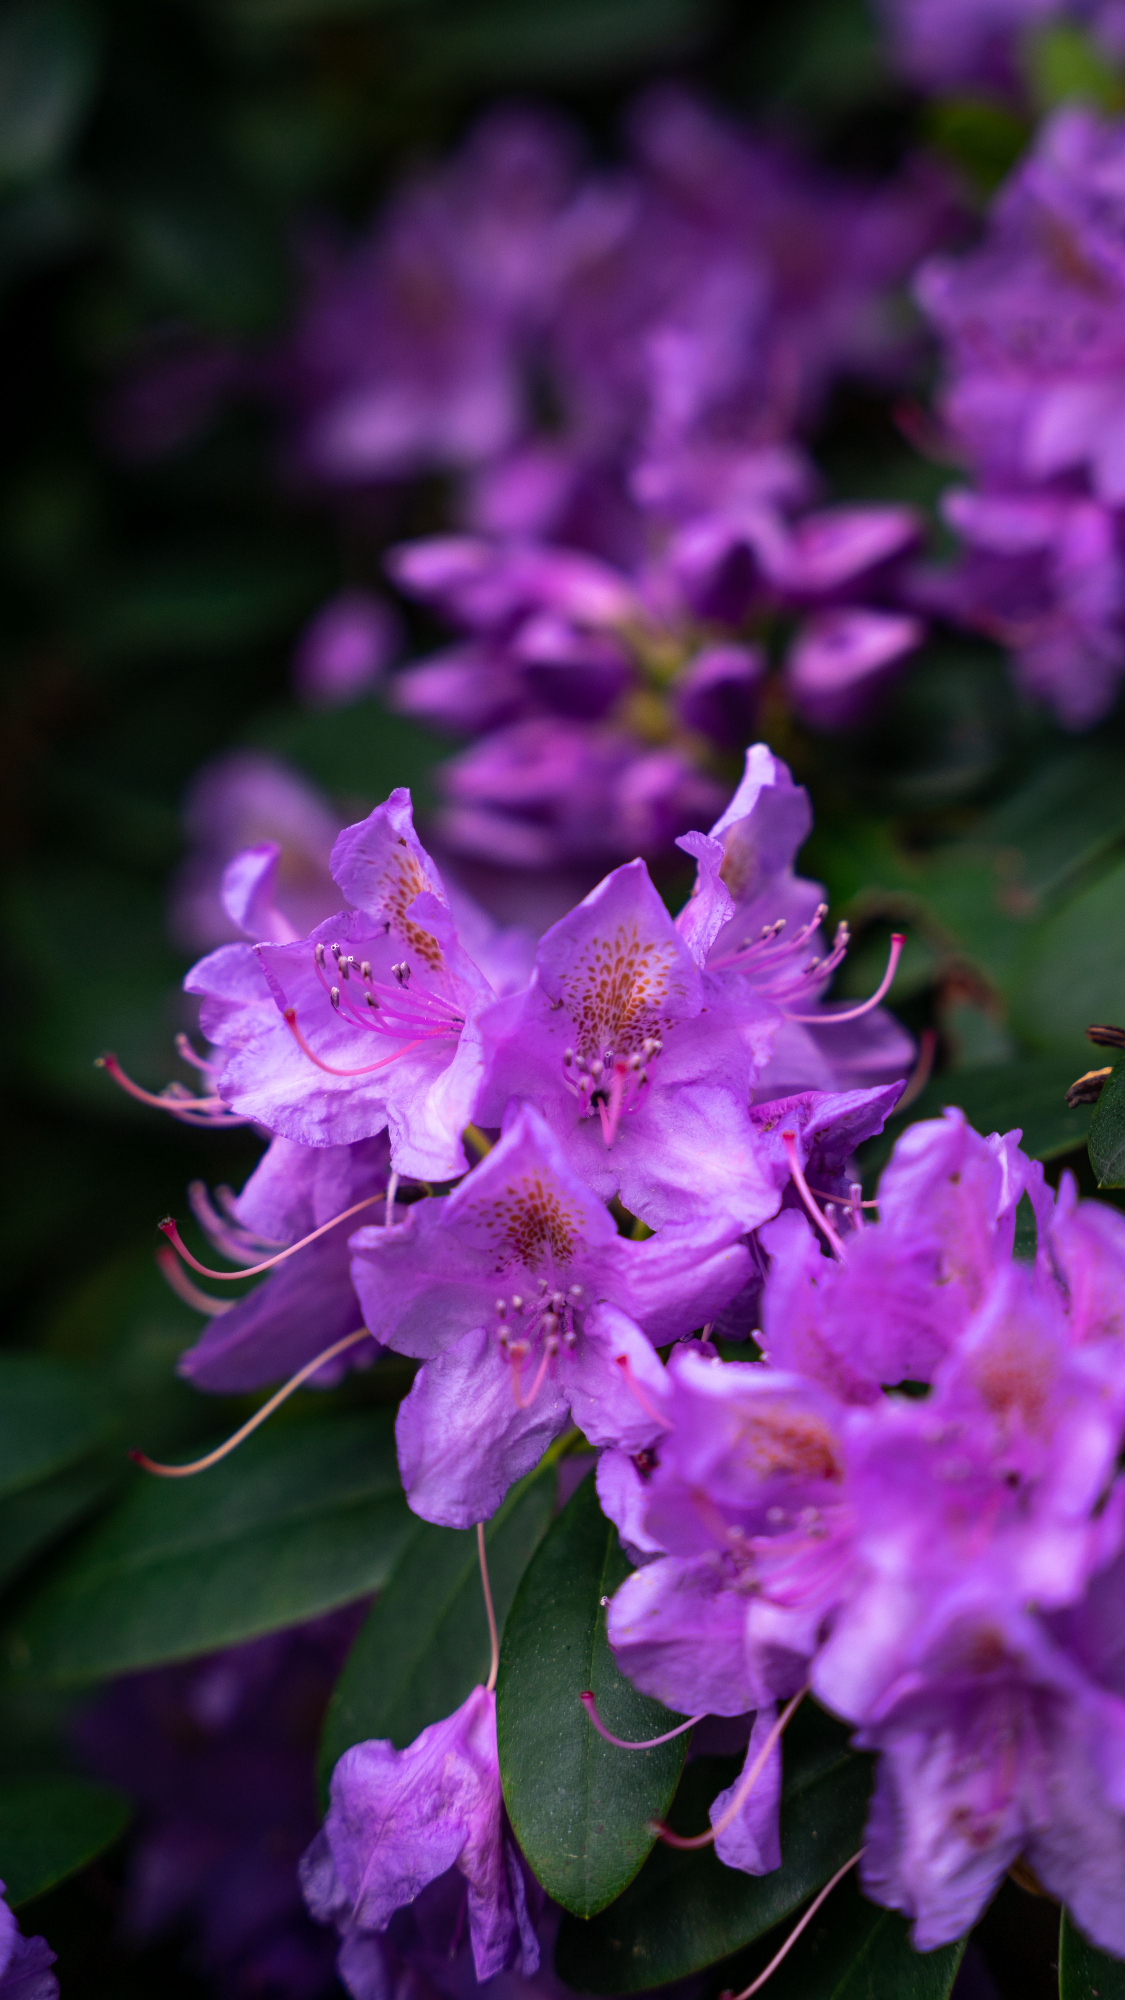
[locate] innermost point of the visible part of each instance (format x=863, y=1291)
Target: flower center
x=545, y=1322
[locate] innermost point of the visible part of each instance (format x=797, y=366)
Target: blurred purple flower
x=25, y=1963
x=345, y=650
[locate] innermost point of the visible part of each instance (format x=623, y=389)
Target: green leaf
x=302, y=1518
x=359, y=753
x=496, y=42
x=34, y=1518
x=425, y=1645
x=1084, y=1972
x=50, y=1415
x=1107, y=1131
x=853, y=1950
x=48, y=67
x=51, y=1827
x=1030, y=1094
x=1072, y=970
x=580, y=1808
x=685, y=1911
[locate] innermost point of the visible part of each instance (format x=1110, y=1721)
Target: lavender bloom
x=242, y=801
x=368, y=1022
x=345, y=650
x=958, y=45
x=399, y=1820
x=25, y=1963
x=751, y=924
x=308, y=1303
x=570, y=1336
x=1033, y=323
x=642, y=1074
x=220, y=1754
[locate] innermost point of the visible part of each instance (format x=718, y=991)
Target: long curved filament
x=589, y=1703
x=259, y=1417
x=170, y=1229
x=757, y=1984
x=856, y=1013
x=743, y=1790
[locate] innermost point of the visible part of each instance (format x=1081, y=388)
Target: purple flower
x=750, y=922
x=309, y=1302
x=369, y=1022
x=25, y=1963
x=840, y=661
x=220, y=1755
x=570, y=1336
x=748, y=1502
x=642, y=1075
x=400, y=1819
x=250, y=801
x=344, y=651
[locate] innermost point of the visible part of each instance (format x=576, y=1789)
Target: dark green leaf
x=51, y=1827
x=359, y=753
x=50, y=1414
x=559, y=41
x=302, y=1518
x=1072, y=970
x=1030, y=1094
x=855, y=1951
x=425, y=1644
x=580, y=1808
x=1066, y=814
x=47, y=72
x=34, y=1518
x=1084, y=1972
x=686, y=1910
x=1107, y=1131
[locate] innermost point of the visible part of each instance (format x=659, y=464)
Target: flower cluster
x=617, y=365
x=1033, y=328
x=982, y=45
x=905, y=1500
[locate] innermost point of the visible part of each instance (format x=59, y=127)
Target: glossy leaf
x=580, y=1807
x=50, y=1415
x=51, y=1827
x=301, y=1519
x=686, y=1910
x=1073, y=969
x=425, y=1643
x=38, y=1515
x=1107, y=1130
x=1030, y=1094
x=853, y=1950
x=1085, y=1973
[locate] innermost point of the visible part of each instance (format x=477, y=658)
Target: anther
x=501, y=1307
x=318, y=954
x=550, y=1325
x=517, y=1303
x=334, y=995
x=401, y=971
x=577, y=1292
x=568, y=1058
x=372, y=1002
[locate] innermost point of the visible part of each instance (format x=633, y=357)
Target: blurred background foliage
x=157, y=164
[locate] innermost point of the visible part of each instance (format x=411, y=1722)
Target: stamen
x=743, y=1792
x=757, y=1984
x=856, y=1013
x=259, y=1417
x=230, y=1236
x=789, y=1141
x=639, y=1395
x=589, y=1703
x=173, y=1273
x=170, y=1230
x=550, y=1349
x=392, y=1190
x=178, y=1102
x=490, y=1610
x=289, y=1016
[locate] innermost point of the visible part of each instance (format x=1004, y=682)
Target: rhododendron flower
x=368, y=1023
x=526, y=1307
x=642, y=1075
x=398, y=1819
x=308, y=1303
x=25, y=1963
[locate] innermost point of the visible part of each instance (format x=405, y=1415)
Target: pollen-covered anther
x=318, y=954
x=334, y=995
x=365, y=969
x=401, y=971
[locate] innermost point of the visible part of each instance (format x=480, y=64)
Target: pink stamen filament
x=259, y=1417
x=229, y=1236
x=208, y=1111
x=525, y=1402
x=856, y=1013
x=490, y=1610
x=289, y=1016
x=744, y=1790
x=769, y=950
x=170, y=1230
x=757, y=1984
x=589, y=1703
x=822, y=1195
x=413, y=1006
x=638, y=1394
x=789, y=1141
x=173, y=1273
